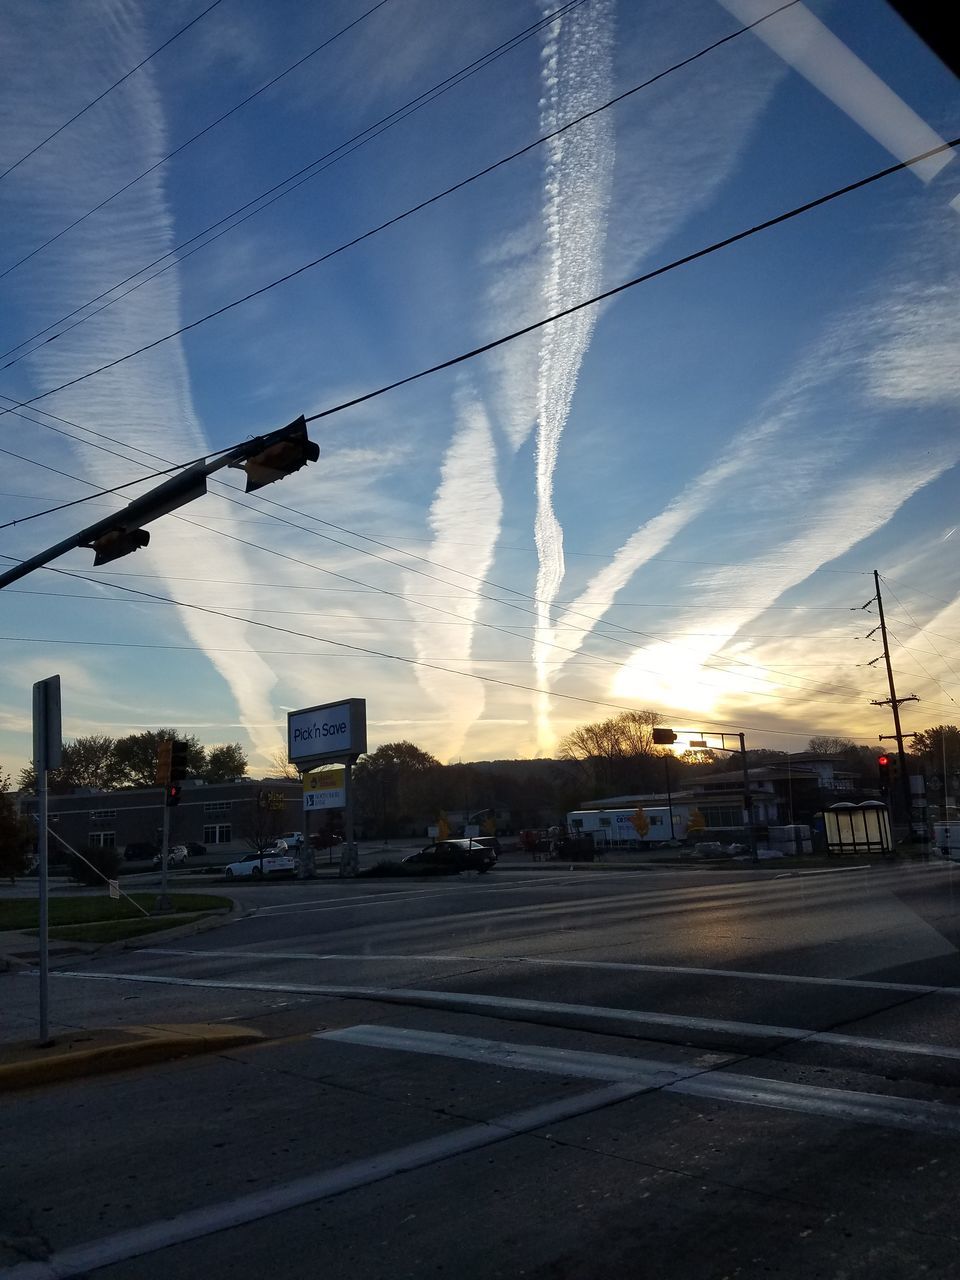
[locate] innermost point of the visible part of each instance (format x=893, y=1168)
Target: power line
x=509, y=604
x=417, y=662
x=458, y=186
x=919, y=628
x=100, y=96
x=297, y=178
x=183, y=145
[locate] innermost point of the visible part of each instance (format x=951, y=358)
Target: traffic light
x=173, y=791
x=278, y=454
x=116, y=543
x=663, y=737
x=883, y=768
x=178, y=761
x=163, y=762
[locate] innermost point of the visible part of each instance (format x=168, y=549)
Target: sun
x=665, y=675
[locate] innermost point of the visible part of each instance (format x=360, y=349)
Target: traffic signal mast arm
x=265, y=459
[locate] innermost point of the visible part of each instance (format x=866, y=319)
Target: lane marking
x=78, y=1260
x=525, y=1057
x=885, y=1110
x=614, y=966
x=505, y=1005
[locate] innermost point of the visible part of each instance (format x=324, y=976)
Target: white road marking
x=866, y=1108
x=545, y=1059
x=502, y=1005
x=78, y=1260
x=614, y=966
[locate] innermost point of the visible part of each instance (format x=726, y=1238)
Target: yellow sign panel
x=324, y=789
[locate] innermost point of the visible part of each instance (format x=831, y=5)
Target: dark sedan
x=452, y=856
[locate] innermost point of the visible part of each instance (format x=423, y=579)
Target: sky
x=671, y=500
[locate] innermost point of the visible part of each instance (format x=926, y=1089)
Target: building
x=782, y=793
x=227, y=817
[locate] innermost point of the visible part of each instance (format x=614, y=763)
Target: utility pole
x=894, y=703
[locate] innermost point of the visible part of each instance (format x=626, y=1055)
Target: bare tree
x=826, y=745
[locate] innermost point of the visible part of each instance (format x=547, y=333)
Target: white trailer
x=613, y=828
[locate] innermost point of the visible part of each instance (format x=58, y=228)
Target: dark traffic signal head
x=278, y=454
x=178, y=760
x=116, y=543
x=663, y=737
x=173, y=794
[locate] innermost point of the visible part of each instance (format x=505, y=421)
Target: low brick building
x=227, y=817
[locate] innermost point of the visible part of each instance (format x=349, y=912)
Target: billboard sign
x=324, y=789
x=333, y=731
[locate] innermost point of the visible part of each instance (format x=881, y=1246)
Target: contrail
x=576, y=70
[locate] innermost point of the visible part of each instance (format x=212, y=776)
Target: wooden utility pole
x=894, y=703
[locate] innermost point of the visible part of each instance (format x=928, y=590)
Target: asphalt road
x=536, y=1072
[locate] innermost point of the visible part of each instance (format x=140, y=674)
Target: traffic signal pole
x=163, y=902
x=265, y=459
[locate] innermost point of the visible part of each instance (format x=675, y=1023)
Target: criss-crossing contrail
x=576, y=71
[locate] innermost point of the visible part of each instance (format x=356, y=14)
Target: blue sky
x=673, y=500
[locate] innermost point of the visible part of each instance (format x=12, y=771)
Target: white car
x=275, y=863
x=291, y=839
x=176, y=857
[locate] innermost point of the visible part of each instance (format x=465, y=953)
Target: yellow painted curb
x=114, y=1049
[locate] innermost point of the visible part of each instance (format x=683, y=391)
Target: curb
x=147, y=1045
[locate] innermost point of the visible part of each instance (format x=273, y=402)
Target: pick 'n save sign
x=333, y=731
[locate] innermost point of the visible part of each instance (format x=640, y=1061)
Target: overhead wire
x=470, y=675
x=298, y=178
x=602, y=634
x=706, y=663
x=183, y=145
x=458, y=186
x=116, y=84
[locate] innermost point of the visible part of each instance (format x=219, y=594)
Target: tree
x=260, y=820
x=396, y=786
x=282, y=768
x=826, y=745
x=617, y=754
x=225, y=763
x=136, y=756
x=86, y=762
x=16, y=834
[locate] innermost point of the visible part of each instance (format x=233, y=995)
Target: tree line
x=105, y=763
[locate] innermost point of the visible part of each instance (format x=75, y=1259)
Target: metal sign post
x=47, y=750
x=349, y=859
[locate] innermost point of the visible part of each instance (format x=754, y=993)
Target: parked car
x=452, y=856
x=195, y=849
x=292, y=839
x=488, y=842
x=275, y=863
x=176, y=856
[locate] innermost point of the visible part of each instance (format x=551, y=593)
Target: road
x=538, y=1072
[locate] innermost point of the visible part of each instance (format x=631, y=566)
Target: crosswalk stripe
x=885, y=1110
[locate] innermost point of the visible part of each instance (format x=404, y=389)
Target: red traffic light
x=883, y=761
x=173, y=794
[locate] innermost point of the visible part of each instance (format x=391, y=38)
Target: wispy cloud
x=146, y=403
x=465, y=520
